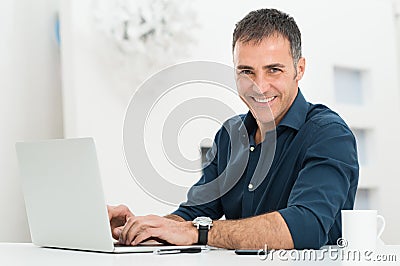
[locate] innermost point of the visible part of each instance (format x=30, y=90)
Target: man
x=313, y=174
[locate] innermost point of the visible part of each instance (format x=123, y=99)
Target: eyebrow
x=239, y=67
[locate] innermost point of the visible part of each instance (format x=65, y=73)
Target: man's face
x=266, y=78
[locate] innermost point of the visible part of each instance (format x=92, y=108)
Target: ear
x=301, y=67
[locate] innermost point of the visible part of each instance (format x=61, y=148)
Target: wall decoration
x=155, y=30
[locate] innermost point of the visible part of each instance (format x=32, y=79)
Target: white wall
x=30, y=98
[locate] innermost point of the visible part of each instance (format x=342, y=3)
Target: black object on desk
x=250, y=251
x=177, y=251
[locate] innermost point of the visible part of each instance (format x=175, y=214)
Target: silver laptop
x=64, y=197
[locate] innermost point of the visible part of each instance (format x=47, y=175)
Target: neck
x=262, y=130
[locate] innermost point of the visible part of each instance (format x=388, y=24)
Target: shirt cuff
x=304, y=227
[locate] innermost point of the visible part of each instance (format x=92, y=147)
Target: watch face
x=202, y=221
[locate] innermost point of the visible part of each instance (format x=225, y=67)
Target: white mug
x=360, y=229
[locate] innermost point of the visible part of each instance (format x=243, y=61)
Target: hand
x=118, y=215
x=140, y=228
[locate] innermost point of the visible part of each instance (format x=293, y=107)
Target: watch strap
x=203, y=235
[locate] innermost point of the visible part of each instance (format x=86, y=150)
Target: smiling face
x=266, y=78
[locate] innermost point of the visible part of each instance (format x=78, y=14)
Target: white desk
x=28, y=254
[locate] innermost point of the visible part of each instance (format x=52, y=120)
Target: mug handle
x=382, y=227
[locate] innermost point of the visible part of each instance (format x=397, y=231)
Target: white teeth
x=264, y=100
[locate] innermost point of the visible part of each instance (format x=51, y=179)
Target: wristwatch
x=203, y=225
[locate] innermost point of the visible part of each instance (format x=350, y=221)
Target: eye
x=274, y=70
x=246, y=72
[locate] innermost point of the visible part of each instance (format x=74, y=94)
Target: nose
x=261, y=84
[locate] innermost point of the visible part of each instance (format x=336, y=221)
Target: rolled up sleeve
x=322, y=187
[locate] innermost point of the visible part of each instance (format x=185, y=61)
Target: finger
x=118, y=215
x=145, y=234
x=125, y=229
x=138, y=225
x=116, y=232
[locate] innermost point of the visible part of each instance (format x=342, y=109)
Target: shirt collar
x=294, y=118
x=297, y=113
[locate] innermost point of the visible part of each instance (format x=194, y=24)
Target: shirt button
x=250, y=186
x=251, y=148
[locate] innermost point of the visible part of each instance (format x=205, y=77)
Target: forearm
x=174, y=217
x=251, y=233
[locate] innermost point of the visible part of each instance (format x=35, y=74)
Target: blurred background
x=69, y=68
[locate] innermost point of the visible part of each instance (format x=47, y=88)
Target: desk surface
x=28, y=254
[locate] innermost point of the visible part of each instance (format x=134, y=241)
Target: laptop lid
x=63, y=194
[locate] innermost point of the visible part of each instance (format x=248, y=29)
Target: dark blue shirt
x=311, y=175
